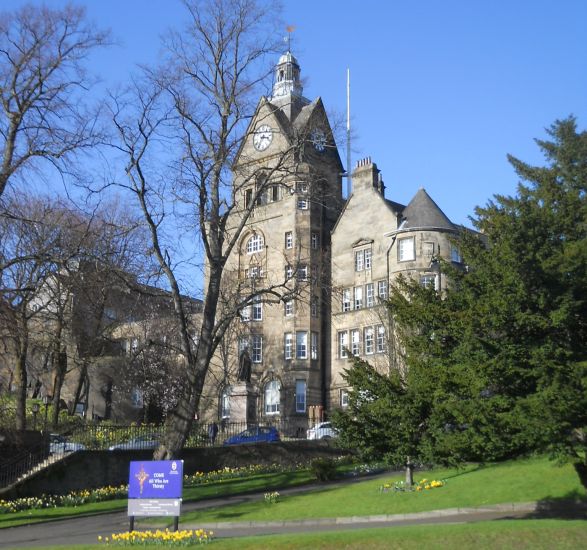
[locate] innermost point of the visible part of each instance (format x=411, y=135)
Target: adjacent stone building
x=329, y=261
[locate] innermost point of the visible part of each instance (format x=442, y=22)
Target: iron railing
x=105, y=436
x=11, y=470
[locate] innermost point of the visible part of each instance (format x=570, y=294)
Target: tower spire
x=287, y=73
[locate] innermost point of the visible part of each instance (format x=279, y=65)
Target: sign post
x=155, y=489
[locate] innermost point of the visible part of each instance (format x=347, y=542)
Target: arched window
x=255, y=244
x=225, y=402
x=272, y=391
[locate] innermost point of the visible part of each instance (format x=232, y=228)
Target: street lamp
x=35, y=410
x=46, y=401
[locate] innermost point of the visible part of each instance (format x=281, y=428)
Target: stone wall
x=92, y=469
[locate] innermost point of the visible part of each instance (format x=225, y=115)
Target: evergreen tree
x=500, y=357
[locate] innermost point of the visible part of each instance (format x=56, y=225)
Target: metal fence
x=105, y=436
x=22, y=463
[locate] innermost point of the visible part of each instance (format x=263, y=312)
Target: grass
x=516, y=481
x=504, y=534
x=237, y=486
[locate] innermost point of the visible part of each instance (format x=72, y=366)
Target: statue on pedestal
x=244, y=366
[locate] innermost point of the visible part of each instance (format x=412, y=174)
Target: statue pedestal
x=243, y=403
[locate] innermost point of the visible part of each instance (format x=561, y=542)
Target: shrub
x=324, y=469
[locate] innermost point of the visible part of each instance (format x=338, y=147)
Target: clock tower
x=288, y=194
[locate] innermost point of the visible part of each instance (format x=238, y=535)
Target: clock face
x=319, y=140
x=262, y=137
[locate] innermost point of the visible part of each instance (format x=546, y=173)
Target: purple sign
x=155, y=479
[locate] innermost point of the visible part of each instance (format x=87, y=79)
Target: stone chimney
x=367, y=175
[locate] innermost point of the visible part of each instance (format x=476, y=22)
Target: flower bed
x=186, y=537
x=402, y=487
x=77, y=498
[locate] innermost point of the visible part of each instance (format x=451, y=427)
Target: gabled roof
x=394, y=207
x=306, y=112
x=423, y=212
x=362, y=241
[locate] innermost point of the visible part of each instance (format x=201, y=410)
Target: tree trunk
x=181, y=418
x=581, y=469
x=409, y=473
x=20, y=379
x=80, y=387
x=59, y=372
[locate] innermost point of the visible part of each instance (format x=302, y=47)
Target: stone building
x=327, y=261
x=374, y=241
x=91, y=331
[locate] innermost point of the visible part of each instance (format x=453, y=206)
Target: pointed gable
x=423, y=212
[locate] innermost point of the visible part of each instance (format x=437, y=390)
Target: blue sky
x=440, y=91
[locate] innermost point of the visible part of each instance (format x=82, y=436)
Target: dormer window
x=363, y=259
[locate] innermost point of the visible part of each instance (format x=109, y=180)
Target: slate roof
x=423, y=212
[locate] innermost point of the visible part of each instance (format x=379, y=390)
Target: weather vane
x=289, y=29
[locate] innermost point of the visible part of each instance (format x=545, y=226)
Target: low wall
x=91, y=469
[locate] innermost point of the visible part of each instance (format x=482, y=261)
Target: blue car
x=259, y=434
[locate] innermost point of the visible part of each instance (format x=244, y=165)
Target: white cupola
x=287, y=77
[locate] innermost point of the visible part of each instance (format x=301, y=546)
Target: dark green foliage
x=324, y=469
x=496, y=368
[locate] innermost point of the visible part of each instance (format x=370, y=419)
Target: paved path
x=85, y=530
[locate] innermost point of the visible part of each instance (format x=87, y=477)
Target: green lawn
x=516, y=481
x=506, y=534
x=255, y=483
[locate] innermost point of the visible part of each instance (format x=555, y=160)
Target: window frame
x=275, y=192
x=301, y=395
x=403, y=249
x=380, y=339
x=255, y=244
x=355, y=342
x=256, y=348
x=288, y=240
x=368, y=259
x=315, y=240
x=314, y=309
x=257, y=309
x=369, y=340
x=455, y=255
x=428, y=280
x=369, y=295
x=359, y=260
x=358, y=297
x=382, y=285
x=288, y=343
x=272, y=389
x=303, y=272
x=346, y=300
x=301, y=344
x=314, y=345
x=225, y=402
x=344, y=398
x=342, y=337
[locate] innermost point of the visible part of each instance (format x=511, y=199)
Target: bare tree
x=201, y=107
x=29, y=242
x=55, y=261
x=43, y=84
